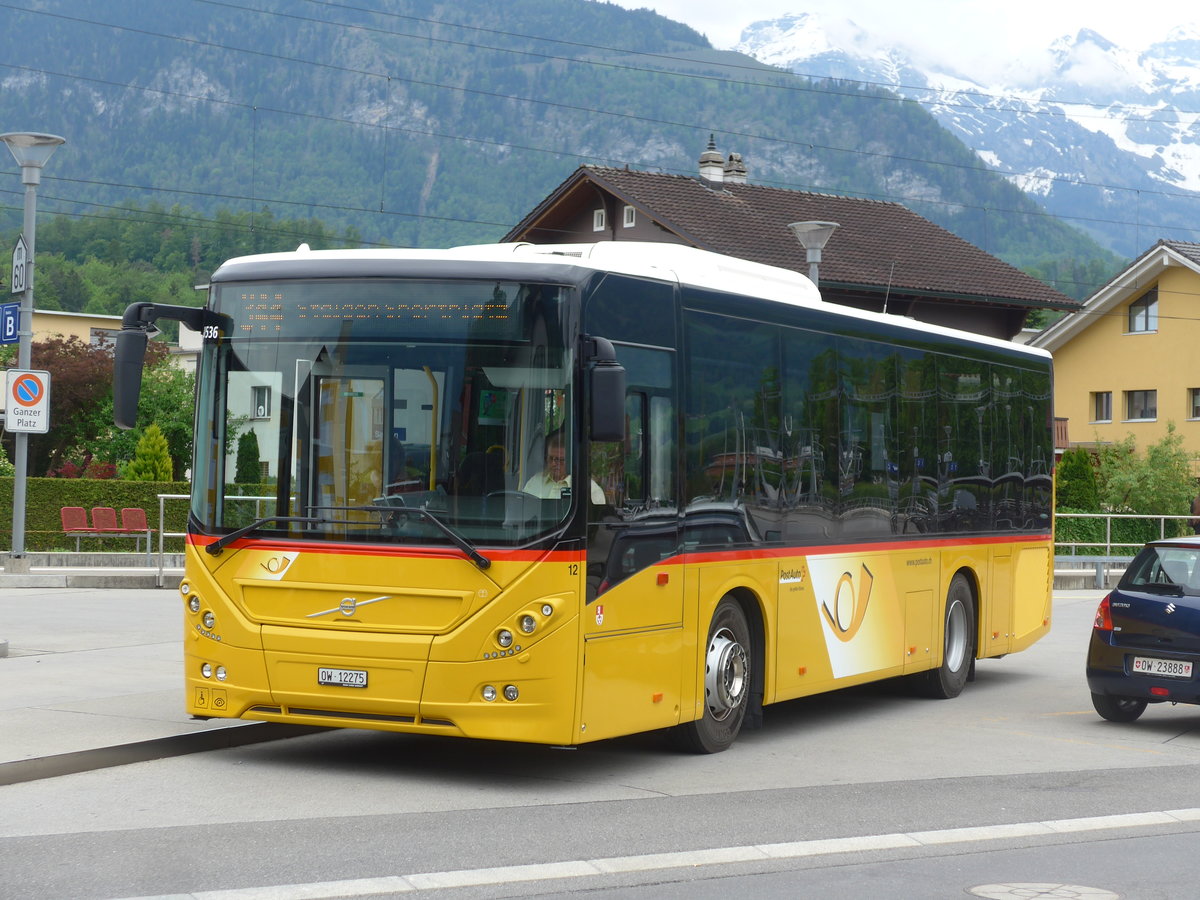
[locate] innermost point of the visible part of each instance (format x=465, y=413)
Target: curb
x=224, y=737
x=135, y=580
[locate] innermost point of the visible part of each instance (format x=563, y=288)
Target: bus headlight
x=547, y=610
x=206, y=670
x=209, y=620
x=489, y=693
x=528, y=623
x=511, y=692
x=504, y=637
x=194, y=603
x=221, y=673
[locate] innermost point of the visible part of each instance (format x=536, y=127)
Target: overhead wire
x=534, y=100
x=786, y=83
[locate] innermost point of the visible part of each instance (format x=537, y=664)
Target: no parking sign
x=27, y=401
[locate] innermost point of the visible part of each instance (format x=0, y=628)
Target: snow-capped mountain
x=1108, y=137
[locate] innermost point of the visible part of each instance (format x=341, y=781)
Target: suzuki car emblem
x=1170, y=608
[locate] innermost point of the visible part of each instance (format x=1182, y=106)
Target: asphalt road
x=870, y=792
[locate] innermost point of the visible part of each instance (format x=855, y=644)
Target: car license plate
x=342, y=677
x=1168, y=668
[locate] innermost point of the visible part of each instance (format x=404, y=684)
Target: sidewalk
x=90, y=673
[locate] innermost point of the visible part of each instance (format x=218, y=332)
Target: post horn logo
x=849, y=608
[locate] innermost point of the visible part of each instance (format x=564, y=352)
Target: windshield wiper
x=218, y=545
x=459, y=541
x=1159, y=587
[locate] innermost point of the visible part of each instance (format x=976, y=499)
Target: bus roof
x=666, y=262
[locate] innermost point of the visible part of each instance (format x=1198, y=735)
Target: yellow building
x=88, y=327
x=1129, y=361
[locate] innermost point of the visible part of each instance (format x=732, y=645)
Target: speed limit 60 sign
x=27, y=401
x=20, y=266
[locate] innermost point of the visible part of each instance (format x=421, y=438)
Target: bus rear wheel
x=728, y=670
x=958, y=643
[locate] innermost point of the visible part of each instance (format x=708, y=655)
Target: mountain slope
x=1107, y=137
x=421, y=122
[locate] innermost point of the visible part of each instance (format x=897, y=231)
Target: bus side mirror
x=606, y=389
x=128, y=359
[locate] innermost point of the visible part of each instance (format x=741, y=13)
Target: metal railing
x=1107, y=556
x=163, y=534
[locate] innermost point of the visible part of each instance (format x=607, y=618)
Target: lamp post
x=31, y=151
x=813, y=237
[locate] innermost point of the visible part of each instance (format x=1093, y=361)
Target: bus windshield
x=385, y=411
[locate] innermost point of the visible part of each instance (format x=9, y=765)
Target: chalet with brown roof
x=882, y=256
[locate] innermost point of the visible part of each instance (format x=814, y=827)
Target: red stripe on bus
x=494, y=554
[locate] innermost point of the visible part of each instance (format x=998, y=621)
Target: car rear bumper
x=1110, y=671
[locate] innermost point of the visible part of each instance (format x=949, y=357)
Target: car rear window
x=1165, y=566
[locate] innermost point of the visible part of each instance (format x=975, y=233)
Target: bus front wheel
x=728, y=667
x=958, y=643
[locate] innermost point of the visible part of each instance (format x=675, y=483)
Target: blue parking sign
x=10, y=320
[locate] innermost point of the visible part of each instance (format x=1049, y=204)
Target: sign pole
x=16, y=555
x=31, y=151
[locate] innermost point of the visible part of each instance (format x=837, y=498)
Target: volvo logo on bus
x=348, y=606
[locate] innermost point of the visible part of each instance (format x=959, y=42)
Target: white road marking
x=429, y=881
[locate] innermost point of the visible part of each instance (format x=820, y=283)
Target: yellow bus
x=558, y=494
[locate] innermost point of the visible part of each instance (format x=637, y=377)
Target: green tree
x=248, y=470
x=1076, y=482
x=166, y=399
x=1154, y=484
x=152, y=460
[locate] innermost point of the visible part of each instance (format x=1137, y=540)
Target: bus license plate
x=342, y=677
x=1168, y=668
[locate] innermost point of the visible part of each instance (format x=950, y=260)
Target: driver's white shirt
x=541, y=486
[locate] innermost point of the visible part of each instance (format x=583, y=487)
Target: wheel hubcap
x=956, y=636
x=725, y=674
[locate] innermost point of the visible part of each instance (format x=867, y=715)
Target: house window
x=1102, y=406
x=1143, y=312
x=260, y=402
x=630, y=217
x=598, y=220
x=1141, y=405
x=103, y=337
x=1194, y=403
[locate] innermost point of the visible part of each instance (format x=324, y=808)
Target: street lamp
x=31, y=151
x=813, y=237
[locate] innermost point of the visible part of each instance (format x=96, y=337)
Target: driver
x=554, y=478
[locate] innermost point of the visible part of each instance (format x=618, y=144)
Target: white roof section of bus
x=666, y=262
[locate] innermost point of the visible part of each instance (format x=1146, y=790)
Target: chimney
x=712, y=164
x=735, y=169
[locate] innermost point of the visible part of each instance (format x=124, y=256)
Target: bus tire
x=728, y=676
x=958, y=643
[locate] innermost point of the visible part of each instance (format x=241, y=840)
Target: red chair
x=133, y=521
x=75, y=522
x=104, y=520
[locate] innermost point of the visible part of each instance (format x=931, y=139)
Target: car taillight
x=1104, y=615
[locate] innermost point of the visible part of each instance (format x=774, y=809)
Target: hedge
x=44, y=497
x=1124, y=532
